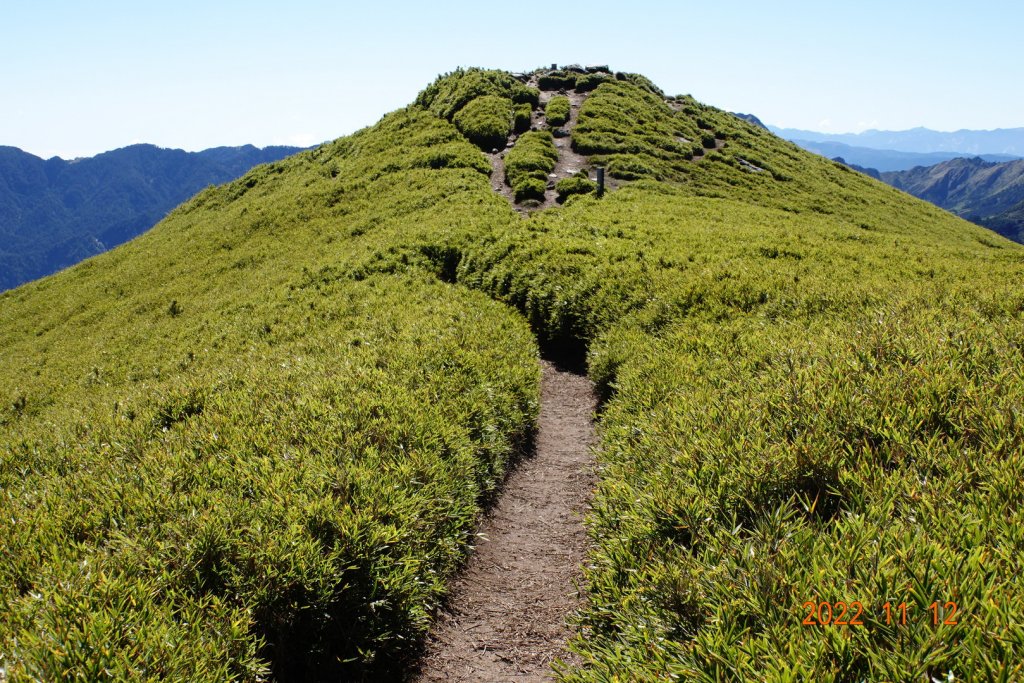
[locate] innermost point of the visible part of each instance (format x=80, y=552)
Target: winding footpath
x=506, y=618
x=569, y=160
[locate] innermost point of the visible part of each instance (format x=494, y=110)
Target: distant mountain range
x=986, y=193
x=54, y=213
x=976, y=174
x=888, y=159
x=1008, y=141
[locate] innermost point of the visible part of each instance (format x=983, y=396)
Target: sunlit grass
x=258, y=436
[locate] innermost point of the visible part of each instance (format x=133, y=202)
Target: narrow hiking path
x=569, y=161
x=506, y=618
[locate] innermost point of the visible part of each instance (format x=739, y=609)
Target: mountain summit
x=253, y=443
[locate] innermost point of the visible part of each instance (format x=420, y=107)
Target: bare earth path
x=506, y=620
x=569, y=161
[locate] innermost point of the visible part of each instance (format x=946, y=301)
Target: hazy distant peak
x=920, y=140
x=750, y=118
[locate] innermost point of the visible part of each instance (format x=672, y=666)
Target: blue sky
x=81, y=78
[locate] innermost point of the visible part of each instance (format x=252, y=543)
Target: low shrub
x=450, y=155
x=630, y=167
x=486, y=121
x=533, y=158
x=522, y=116
x=642, y=81
x=589, y=82
x=557, y=111
x=451, y=92
x=594, y=143
x=557, y=80
x=577, y=184
x=621, y=118
x=530, y=188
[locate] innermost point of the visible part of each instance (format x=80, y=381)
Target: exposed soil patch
x=506, y=619
x=498, y=182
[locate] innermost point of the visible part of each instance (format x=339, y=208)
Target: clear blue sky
x=79, y=78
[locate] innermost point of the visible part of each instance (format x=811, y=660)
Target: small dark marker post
x=554, y=67
x=600, y=181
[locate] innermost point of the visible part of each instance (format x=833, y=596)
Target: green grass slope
x=239, y=442
x=814, y=396
x=255, y=439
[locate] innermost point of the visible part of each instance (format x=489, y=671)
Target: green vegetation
x=451, y=92
x=522, y=117
x=271, y=450
x=486, y=106
x=528, y=164
x=257, y=436
x=812, y=396
x=588, y=82
x=577, y=184
x=486, y=121
x=801, y=408
x=557, y=111
x=634, y=133
x=557, y=80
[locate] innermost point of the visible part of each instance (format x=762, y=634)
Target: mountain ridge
x=888, y=159
x=253, y=442
x=987, y=193
x=56, y=212
x=921, y=140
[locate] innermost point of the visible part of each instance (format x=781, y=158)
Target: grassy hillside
x=256, y=437
x=239, y=441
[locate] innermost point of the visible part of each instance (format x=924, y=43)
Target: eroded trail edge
x=506, y=619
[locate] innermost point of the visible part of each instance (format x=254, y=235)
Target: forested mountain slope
x=54, y=213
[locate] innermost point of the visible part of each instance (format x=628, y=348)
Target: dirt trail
x=569, y=161
x=506, y=619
